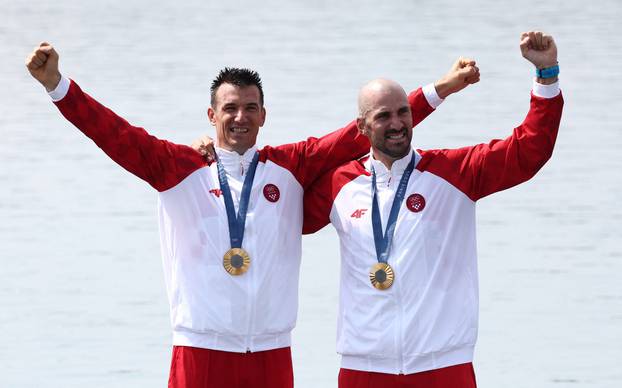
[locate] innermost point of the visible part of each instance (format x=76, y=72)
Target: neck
x=239, y=150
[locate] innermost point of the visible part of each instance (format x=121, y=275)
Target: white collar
x=397, y=168
x=234, y=163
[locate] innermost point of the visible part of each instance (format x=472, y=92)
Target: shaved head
x=386, y=119
x=372, y=92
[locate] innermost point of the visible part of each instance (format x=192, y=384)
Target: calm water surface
x=82, y=299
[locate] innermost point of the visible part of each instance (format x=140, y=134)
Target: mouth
x=396, y=135
x=238, y=130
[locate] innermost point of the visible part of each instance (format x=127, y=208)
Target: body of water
x=82, y=297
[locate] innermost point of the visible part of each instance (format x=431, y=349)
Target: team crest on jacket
x=415, y=203
x=271, y=192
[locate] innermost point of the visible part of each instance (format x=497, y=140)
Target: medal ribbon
x=236, y=223
x=383, y=241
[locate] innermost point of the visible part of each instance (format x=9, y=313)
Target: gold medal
x=236, y=261
x=381, y=276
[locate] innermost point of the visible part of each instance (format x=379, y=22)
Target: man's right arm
x=160, y=163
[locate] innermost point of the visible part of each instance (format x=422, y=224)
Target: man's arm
x=309, y=159
x=484, y=169
x=162, y=164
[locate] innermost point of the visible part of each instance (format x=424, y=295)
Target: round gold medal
x=381, y=276
x=236, y=261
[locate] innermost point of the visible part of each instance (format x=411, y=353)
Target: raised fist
x=539, y=49
x=463, y=73
x=42, y=64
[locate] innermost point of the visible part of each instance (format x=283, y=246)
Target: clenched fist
x=42, y=64
x=538, y=48
x=463, y=73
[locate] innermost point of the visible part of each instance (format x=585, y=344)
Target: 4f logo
x=358, y=213
x=216, y=192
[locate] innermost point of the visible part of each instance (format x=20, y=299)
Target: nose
x=239, y=115
x=396, y=122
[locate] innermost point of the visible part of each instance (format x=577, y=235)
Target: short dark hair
x=236, y=76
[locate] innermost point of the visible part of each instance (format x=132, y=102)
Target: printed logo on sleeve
x=271, y=192
x=415, y=203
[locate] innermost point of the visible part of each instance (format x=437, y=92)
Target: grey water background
x=82, y=298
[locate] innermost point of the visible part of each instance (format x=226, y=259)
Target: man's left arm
x=484, y=169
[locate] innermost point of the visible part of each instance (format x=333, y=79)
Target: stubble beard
x=394, y=153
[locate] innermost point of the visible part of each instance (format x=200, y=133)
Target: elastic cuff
x=545, y=91
x=61, y=89
x=429, y=91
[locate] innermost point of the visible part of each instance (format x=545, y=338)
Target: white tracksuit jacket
x=428, y=319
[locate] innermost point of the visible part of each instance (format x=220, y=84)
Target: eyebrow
x=381, y=113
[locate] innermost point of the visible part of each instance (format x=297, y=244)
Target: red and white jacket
x=210, y=308
x=428, y=319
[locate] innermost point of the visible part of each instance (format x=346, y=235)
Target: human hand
x=539, y=49
x=463, y=73
x=205, y=146
x=42, y=64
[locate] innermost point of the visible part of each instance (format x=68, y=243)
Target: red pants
x=456, y=376
x=205, y=368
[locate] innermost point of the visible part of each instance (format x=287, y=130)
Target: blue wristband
x=548, y=72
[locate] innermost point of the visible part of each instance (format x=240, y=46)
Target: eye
x=252, y=108
x=403, y=111
x=382, y=116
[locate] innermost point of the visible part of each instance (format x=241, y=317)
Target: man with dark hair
x=406, y=222
x=231, y=229
x=238, y=77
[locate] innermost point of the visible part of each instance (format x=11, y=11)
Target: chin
x=399, y=152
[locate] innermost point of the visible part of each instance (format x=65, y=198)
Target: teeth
x=239, y=130
x=398, y=136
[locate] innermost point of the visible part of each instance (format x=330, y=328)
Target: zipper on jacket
x=250, y=308
x=400, y=318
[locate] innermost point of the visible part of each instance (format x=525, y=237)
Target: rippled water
x=82, y=301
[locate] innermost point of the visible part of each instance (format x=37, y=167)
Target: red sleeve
x=319, y=198
x=309, y=159
x=419, y=106
x=484, y=169
x=160, y=163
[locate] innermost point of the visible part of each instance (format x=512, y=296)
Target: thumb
x=524, y=43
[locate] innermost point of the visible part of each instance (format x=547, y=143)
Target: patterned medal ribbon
x=236, y=260
x=381, y=274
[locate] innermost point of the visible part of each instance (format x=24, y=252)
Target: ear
x=211, y=116
x=360, y=124
x=263, y=116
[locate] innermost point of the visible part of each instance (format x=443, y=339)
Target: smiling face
x=385, y=118
x=237, y=113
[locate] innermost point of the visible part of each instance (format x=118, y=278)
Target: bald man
x=408, y=313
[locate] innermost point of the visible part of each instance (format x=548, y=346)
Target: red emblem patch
x=415, y=203
x=271, y=192
x=216, y=192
